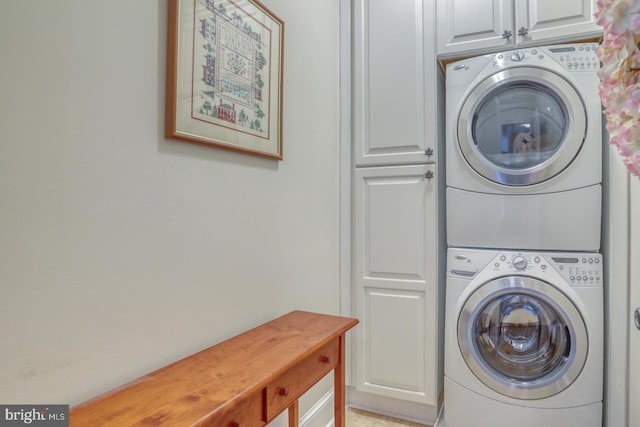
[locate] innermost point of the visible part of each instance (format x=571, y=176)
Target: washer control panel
x=577, y=268
x=519, y=262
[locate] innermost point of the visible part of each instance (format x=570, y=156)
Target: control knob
x=517, y=56
x=519, y=262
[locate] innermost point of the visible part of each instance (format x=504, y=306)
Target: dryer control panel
x=580, y=57
x=572, y=57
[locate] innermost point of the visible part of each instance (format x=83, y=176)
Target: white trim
x=318, y=410
x=345, y=157
x=345, y=178
x=440, y=420
x=616, y=251
x=395, y=408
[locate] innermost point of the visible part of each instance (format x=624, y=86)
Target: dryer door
x=522, y=337
x=522, y=126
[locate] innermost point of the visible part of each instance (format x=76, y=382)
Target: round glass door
x=522, y=337
x=522, y=126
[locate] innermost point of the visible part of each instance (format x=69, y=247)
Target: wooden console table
x=245, y=381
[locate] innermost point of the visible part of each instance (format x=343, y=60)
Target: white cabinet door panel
x=395, y=260
x=470, y=27
x=553, y=19
x=395, y=225
x=394, y=362
x=386, y=201
x=394, y=71
x=465, y=25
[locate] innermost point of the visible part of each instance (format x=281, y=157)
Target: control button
x=584, y=260
x=503, y=258
x=543, y=266
x=533, y=52
x=536, y=259
x=572, y=278
x=496, y=265
x=584, y=278
x=590, y=260
x=519, y=262
x=597, y=260
x=598, y=278
x=591, y=278
x=578, y=278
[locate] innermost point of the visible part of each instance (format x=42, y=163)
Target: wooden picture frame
x=224, y=75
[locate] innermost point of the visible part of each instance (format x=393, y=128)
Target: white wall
x=121, y=251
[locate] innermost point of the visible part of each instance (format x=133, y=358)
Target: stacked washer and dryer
x=524, y=291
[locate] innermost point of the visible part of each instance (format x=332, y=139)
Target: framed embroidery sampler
x=224, y=75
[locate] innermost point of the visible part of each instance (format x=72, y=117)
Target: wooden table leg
x=338, y=388
x=293, y=414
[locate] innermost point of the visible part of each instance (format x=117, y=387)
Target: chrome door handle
x=636, y=317
x=507, y=34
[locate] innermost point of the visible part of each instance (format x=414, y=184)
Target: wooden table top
x=210, y=382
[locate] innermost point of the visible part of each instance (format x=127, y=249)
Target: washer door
x=522, y=337
x=522, y=126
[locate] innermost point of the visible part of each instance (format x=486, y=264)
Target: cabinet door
x=395, y=266
x=634, y=298
x=394, y=82
x=548, y=20
x=471, y=25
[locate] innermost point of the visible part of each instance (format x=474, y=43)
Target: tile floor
x=358, y=418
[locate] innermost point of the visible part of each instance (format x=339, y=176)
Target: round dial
x=517, y=56
x=519, y=262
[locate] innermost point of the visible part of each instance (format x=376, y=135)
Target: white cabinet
x=395, y=240
x=394, y=71
x=396, y=292
x=472, y=26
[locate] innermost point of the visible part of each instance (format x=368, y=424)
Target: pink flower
x=620, y=76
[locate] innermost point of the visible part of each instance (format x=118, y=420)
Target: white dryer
x=523, y=339
x=524, y=149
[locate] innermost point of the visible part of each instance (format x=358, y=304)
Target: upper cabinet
x=475, y=26
x=394, y=74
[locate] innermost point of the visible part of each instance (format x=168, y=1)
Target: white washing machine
x=523, y=339
x=524, y=150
